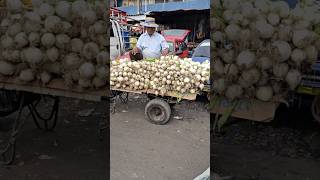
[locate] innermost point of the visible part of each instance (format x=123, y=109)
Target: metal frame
x=124, y=94
x=31, y=101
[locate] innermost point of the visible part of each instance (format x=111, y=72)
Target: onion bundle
x=169, y=73
x=261, y=48
x=46, y=43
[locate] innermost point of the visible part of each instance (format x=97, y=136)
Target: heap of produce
x=261, y=48
x=55, y=40
x=169, y=73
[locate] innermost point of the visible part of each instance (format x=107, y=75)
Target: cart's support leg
x=102, y=128
x=315, y=108
x=49, y=123
x=124, y=97
x=112, y=105
x=9, y=151
x=115, y=95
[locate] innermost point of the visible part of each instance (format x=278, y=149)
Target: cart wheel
x=315, y=108
x=158, y=111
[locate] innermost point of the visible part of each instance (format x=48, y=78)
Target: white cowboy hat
x=149, y=22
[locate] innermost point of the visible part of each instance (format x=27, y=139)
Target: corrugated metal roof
x=171, y=6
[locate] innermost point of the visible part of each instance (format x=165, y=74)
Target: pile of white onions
x=169, y=73
x=262, y=47
x=56, y=40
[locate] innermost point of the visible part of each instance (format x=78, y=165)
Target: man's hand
x=165, y=52
x=135, y=50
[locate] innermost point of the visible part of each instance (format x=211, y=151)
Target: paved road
x=176, y=151
x=72, y=152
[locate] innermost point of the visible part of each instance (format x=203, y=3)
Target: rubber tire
x=315, y=103
x=165, y=111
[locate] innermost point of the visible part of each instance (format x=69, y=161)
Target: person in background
x=150, y=44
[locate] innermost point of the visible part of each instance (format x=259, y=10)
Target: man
x=150, y=44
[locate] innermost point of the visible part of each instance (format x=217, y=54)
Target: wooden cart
x=158, y=109
x=15, y=96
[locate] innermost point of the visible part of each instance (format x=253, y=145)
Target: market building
x=171, y=14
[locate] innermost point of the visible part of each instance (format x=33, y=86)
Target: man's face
x=150, y=30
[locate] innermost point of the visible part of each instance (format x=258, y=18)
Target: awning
x=170, y=6
x=137, y=18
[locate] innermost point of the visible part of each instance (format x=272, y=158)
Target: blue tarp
x=171, y=6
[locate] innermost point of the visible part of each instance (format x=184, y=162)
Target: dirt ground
x=72, y=152
x=140, y=150
x=287, y=148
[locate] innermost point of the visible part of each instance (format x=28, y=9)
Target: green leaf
x=214, y=101
x=225, y=116
x=317, y=29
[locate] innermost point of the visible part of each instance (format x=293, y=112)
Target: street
x=72, y=152
x=140, y=150
x=288, y=148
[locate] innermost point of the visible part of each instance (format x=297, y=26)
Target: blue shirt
x=151, y=46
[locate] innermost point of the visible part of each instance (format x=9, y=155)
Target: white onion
x=48, y=40
x=246, y=59
x=53, y=24
x=14, y=5
x=76, y=45
x=27, y=75
x=297, y=56
x=62, y=41
x=102, y=58
x=234, y=91
x=87, y=70
x=71, y=61
x=264, y=93
x=301, y=38
x=45, y=10
x=98, y=83
x=264, y=63
x=232, y=32
x=101, y=72
x=34, y=39
x=52, y=54
x=280, y=70
x=283, y=49
x=89, y=17
x=63, y=9
x=265, y=30
x=78, y=7
x=273, y=19
x=21, y=40
x=228, y=57
x=90, y=50
x=7, y=42
x=14, y=29
x=6, y=68
x=33, y=17
x=32, y=55
x=45, y=77
x=293, y=78
x=312, y=53
x=31, y=27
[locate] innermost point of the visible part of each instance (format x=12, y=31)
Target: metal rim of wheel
x=315, y=108
x=158, y=111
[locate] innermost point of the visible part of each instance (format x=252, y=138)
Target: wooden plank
x=254, y=110
x=187, y=96
x=129, y=91
x=55, y=88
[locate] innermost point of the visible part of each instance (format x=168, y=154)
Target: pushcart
x=16, y=96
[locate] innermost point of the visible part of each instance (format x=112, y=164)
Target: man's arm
x=164, y=47
x=138, y=47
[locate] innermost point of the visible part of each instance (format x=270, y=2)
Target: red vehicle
x=177, y=40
